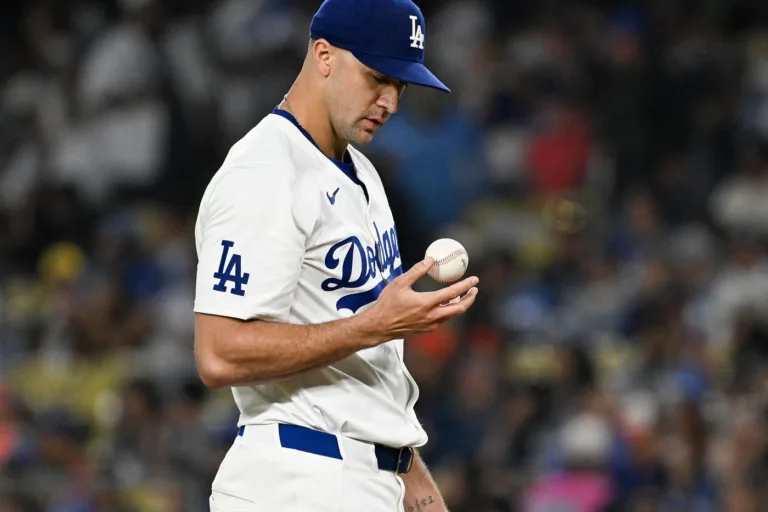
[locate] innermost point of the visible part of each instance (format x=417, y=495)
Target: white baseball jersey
x=283, y=235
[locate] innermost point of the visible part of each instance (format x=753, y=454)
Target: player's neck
x=314, y=118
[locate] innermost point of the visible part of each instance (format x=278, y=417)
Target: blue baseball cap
x=385, y=35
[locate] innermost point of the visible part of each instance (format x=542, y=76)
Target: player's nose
x=390, y=100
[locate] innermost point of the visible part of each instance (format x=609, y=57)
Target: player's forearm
x=231, y=352
x=421, y=492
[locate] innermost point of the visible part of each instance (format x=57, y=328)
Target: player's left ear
x=322, y=55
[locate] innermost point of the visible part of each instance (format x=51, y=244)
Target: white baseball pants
x=258, y=475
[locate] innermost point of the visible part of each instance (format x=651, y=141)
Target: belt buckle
x=400, y=460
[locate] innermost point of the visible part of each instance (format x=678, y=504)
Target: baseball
x=451, y=260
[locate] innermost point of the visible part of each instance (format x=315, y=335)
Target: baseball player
x=301, y=301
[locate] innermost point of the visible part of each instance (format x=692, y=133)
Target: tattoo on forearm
x=420, y=504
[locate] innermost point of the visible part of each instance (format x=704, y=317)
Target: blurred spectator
x=137, y=440
x=184, y=428
x=463, y=415
x=559, y=151
x=738, y=203
x=583, y=485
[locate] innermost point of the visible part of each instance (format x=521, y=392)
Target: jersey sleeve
x=250, y=243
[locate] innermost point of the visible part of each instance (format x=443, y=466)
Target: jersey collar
x=346, y=166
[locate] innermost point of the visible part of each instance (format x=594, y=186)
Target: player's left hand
x=401, y=311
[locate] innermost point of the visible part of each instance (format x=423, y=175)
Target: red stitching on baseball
x=442, y=261
x=451, y=256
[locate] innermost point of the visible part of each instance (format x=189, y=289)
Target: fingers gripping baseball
x=402, y=311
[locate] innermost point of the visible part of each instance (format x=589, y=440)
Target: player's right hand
x=400, y=310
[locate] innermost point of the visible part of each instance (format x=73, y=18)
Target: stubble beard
x=355, y=134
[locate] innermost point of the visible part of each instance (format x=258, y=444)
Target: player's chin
x=367, y=128
x=363, y=136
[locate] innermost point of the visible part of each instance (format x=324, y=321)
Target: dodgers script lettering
x=361, y=264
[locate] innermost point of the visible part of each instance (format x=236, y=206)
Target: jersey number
x=233, y=271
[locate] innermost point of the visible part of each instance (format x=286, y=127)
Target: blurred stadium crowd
x=605, y=165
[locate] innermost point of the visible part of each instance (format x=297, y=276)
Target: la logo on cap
x=417, y=36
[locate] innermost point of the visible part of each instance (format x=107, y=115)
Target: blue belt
x=397, y=460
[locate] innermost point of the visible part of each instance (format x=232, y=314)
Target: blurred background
x=605, y=163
